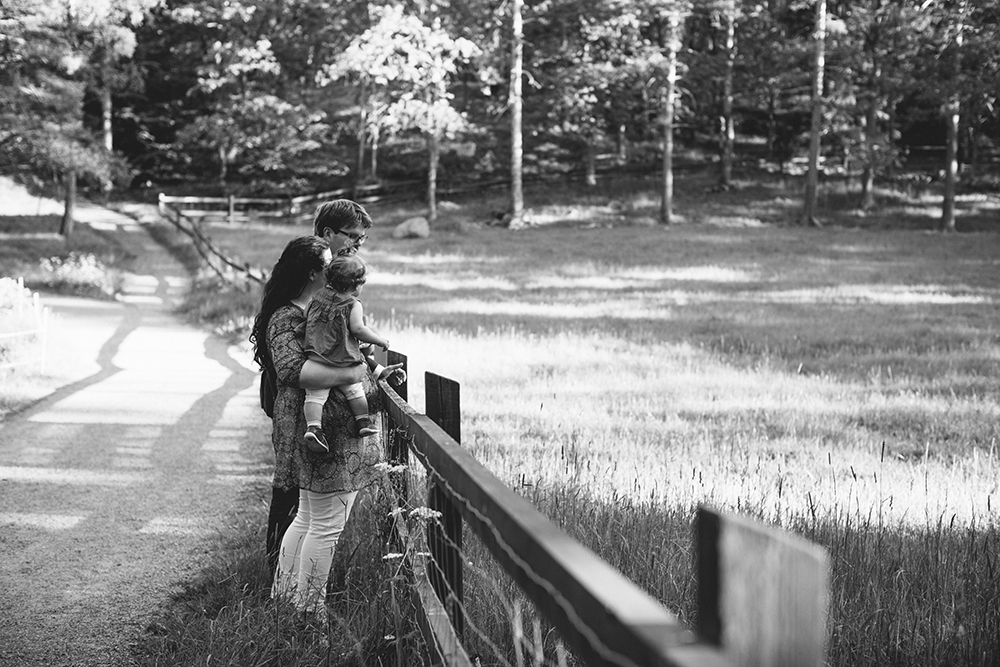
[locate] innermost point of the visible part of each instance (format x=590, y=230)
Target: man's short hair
x=340, y=214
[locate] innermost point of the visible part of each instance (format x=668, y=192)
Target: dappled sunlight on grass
x=675, y=424
x=443, y=282
x=430, y=259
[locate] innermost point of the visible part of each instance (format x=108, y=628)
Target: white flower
x=424, y=513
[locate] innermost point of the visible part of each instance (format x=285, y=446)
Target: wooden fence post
x=232, y=209
x=444, y=537
x=762, y=592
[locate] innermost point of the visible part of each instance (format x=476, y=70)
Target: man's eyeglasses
x=358, y=239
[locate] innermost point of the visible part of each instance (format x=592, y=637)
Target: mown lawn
x=840, y=382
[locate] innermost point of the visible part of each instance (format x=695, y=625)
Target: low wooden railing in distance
x=761, y=592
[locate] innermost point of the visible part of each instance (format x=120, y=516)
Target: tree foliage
x=269, y=93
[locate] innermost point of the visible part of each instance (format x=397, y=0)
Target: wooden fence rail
x=299, y=209
x=762, y=592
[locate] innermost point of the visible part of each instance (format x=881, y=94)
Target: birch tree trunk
x=868, y=176
x=667, y=196
x=69, y=210
x=516, y=146
x=591, y=163
x=362, y=134
x=434, y=154
x=728, y=129
x=106, y=114
x=819, y=63
x=952, y=117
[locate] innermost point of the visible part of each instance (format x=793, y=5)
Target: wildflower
x=424, y=513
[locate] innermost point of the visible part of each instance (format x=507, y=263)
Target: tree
x=880, y=56
x=417, y=62
x=41, y=104
x=727, y=123
x=110, y=41
x=816, y=128
x=516, y=103
x=586, y=75
x=669, y=20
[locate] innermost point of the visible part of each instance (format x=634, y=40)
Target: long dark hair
x=290, y=275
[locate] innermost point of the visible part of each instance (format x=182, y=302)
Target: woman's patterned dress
x=350, y=465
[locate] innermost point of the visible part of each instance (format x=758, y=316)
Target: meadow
x=839, y=382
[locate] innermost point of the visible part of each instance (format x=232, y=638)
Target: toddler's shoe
x=365, y=427
x=316, y=441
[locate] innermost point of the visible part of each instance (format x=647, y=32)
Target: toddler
x=335, y=323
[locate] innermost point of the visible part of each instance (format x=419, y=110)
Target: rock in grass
x=412, y=228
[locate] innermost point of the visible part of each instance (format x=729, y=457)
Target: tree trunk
x=819, y=62
x=359, y=168
x=374, y=170
x=868, y=177
x=667, y=196
x=772, y=128
x=951, y=166
x=66, y=226
x=106, y=113
x=108, y=133
x=890, y=135
x=591, y=162
x=728, y=129
x=434, y=149
x=516, y=146
x=952, y=117
x=223, y=165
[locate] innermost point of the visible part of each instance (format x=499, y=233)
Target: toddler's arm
x=363, y=332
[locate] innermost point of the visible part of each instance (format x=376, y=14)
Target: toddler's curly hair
x=346, y=272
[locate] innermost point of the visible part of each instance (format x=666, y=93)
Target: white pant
x=307, y=549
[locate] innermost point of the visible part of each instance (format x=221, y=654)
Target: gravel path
x=112, y=488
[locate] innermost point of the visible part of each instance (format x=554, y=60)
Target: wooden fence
x=762, y=593
x=299, y=209
x=29, y=320
x=285, y=210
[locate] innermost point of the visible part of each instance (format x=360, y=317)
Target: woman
x=325, y=485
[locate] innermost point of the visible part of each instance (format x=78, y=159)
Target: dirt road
x=112, y=488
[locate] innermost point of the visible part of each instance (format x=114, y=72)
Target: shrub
x=82, y=274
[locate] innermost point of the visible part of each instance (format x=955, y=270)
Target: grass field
x=840, y=382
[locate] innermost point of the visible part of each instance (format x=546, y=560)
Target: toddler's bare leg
x=355, y=394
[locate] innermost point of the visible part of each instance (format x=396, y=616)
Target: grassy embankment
x=839, y=382
x=88, y=264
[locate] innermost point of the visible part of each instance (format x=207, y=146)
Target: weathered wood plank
x=444, y=537
x=762, y=592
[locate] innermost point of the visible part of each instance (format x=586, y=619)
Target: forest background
x=277, y=97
